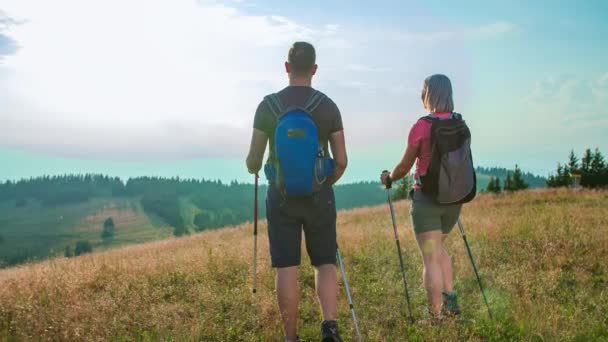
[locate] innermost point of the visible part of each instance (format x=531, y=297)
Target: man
x=286, y=216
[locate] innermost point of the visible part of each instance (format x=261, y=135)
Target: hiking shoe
x=329, y=332
x=432, y=319
x=450, y=304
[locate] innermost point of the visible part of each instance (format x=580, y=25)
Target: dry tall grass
x=543, y=256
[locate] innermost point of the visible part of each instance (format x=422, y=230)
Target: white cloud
x=365, y=68
x=6, y=21
x=131, y=69
x=436, y=35
x=563, y=112
x=332, y=28
x=8, y=46
x=152, y=79
x=604, y=80
x=600, y=88
x=569, y=98
x=490, y=30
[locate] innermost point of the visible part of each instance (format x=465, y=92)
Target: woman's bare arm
x=404, y=166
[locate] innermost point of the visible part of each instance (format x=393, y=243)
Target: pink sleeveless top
x=420, y=139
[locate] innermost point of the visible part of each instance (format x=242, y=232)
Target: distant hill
x=41, y=217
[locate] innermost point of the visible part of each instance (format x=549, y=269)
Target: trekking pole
x=466, y=243
x=255, y=234
x=350, y=299
x=407, y=294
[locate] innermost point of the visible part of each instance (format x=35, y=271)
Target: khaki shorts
x=428, y=216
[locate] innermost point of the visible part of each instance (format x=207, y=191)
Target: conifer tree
x=551, y=182
x=599, y=171
x=494, y=185
x=403, y=189
x=597, y=163
x=108, y=229
x=563, y=176
x=508, y=182
x=572, y=163
x=586, y=161
x=490, y=186
x=518, y=180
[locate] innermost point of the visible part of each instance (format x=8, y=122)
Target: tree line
x=219, y=204
x=501, y=173
x=56, y=190
x=514, y=181
x=591, y=168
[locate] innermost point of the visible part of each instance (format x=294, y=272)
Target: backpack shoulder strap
x=314, y=101
x=429, y=118
x=456, y=116
x=275, y=104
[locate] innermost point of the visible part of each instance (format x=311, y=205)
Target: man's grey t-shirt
x=326, y=116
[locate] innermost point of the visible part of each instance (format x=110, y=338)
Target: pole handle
x=389, y=181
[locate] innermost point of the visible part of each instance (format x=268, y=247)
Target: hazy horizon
x=225, y=169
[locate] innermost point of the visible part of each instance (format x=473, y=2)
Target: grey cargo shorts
x=428, y=215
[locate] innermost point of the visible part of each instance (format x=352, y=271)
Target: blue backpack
x=301, y=163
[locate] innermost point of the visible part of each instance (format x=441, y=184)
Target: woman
x=432, y=223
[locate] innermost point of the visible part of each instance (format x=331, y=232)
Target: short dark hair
x=302, y=57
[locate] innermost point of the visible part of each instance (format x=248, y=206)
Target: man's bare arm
x=337, y=144
x=255, y=158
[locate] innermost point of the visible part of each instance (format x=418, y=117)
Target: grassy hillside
x=542, y=254
x=37, y=231
x=42, y=216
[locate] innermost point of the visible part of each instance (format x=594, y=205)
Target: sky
x=169, y=87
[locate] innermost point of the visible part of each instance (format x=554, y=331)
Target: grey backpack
x=451, y=177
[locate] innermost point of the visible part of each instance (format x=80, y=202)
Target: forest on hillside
x=45, y=216
x=221, y=204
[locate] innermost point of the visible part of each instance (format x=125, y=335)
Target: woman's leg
x=446, y=267
x=431, y=248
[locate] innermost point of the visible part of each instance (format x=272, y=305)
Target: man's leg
x=327, y=290
x=288, y=296
x=285, y=237
x=321, y=244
